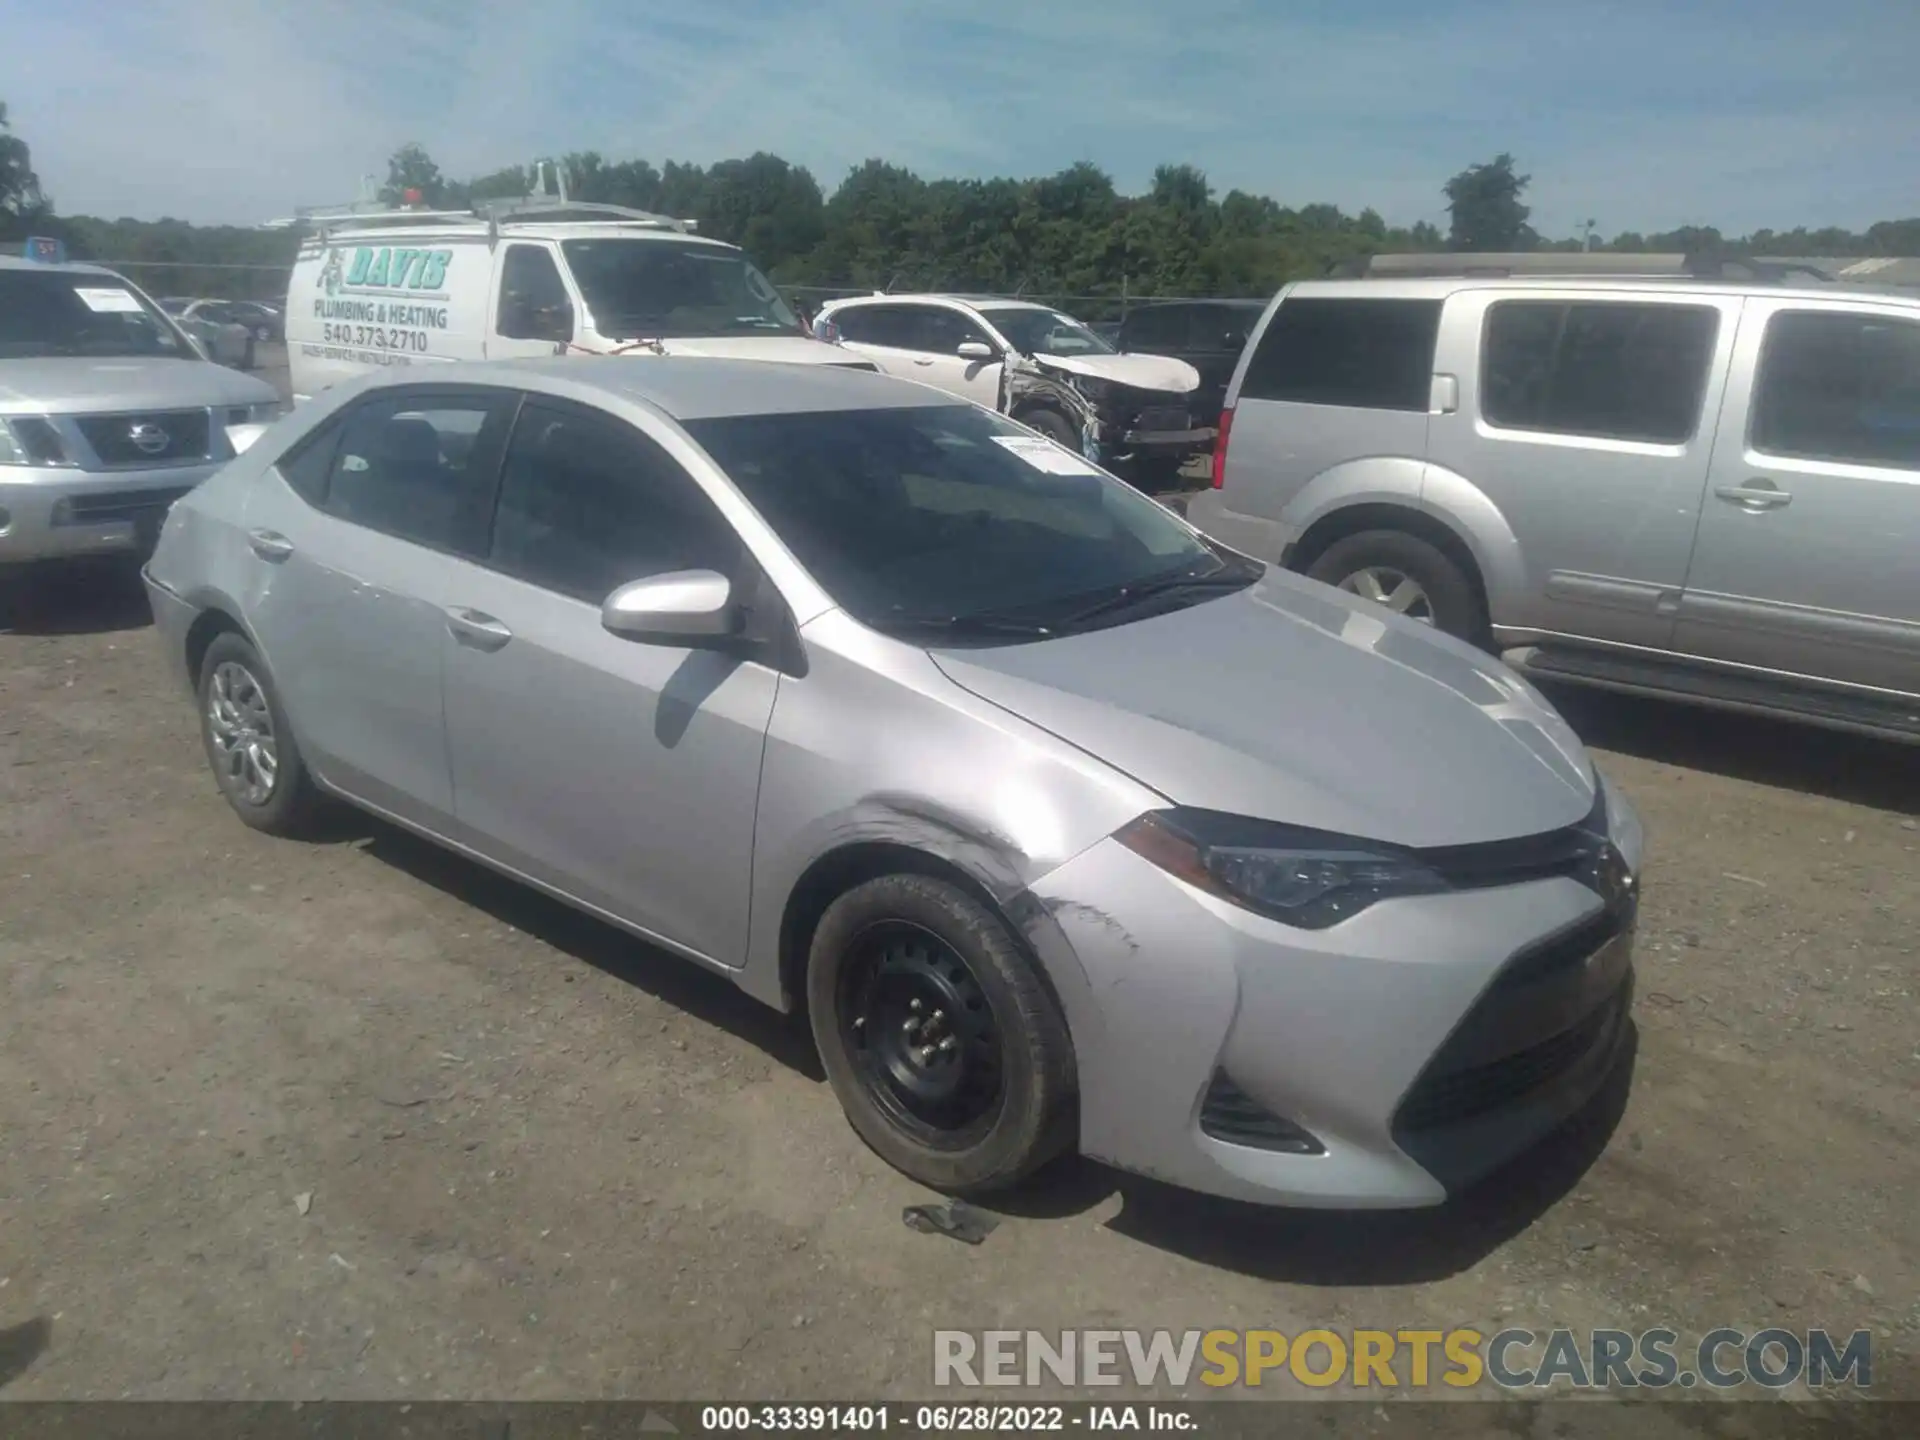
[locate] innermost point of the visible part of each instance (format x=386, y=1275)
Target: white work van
x=527, y=277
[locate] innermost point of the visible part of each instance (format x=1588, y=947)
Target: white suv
x=1131, y=413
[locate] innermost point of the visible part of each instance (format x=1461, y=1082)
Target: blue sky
x=1641, y=115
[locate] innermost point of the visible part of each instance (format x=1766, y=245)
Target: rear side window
x=1840, y=387
x=1373, y=354
x=422, y=466
x=306, y=469
x=1161, y=328
x=1220, y=327
x=1607, y=370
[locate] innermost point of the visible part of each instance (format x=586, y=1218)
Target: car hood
x=75, y=385
x=788, y=349
x=1143, y=372
x=1294, y=702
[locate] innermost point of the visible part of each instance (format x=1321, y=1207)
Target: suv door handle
x=1755, y=495
x=923, y=359
x=475, y=630
x=269, y=545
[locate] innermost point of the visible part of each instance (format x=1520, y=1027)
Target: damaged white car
x=1128, y=413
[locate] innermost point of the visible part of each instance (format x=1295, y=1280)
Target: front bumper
x=1417, y=1046
x=53, y=513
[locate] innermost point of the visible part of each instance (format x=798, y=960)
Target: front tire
x=1408, y=575
x=249, y=744
x=946, y=1051
x=1055, y=426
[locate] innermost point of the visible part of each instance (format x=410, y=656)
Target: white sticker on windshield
x=103, y=301
x=1045, y=455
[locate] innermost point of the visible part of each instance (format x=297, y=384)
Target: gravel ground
x=354, y=1119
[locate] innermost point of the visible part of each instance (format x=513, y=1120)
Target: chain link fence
x=228, y=281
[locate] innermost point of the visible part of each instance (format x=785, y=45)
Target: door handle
x=922, y=360
x=1755, y=495
x=269, y=544
x=475, y=630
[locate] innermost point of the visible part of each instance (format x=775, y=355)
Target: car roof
x=1237, y=302
x=1439, y=287
x=689, y=387
x=65, y=267
x=974, y=302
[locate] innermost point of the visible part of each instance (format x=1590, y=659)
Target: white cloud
x=1645, y=118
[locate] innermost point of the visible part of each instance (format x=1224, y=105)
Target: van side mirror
x=691, y=608
x=974, y=350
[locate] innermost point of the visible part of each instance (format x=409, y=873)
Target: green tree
x=409, y=169
x=1484, y=203
x=21, y=200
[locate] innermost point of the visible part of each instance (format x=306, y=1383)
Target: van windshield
x=46, y=313
x=650, y=289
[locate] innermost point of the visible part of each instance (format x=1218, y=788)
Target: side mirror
x=975, y=350
x=686, y=607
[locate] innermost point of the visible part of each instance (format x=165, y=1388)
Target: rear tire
x=249, y=744
x=946, y=1051
x=1408, y=575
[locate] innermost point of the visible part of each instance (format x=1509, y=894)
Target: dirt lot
x=353, y=1119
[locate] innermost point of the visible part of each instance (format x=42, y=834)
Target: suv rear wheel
x=1406, y=574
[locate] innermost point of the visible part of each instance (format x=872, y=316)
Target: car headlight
x=1307, y=878
x=31, y=440
x=1094, y=390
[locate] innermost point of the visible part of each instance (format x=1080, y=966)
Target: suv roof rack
x=1551, y=263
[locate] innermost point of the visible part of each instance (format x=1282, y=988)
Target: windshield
x=930, y=518
x=646, y=289
x=1044, y=332
x=63, y=312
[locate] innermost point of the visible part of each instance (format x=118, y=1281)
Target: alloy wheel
x=1392, y=588
x=240, y=722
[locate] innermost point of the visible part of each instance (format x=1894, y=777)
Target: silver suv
x=1693, y=488
x=108, y=413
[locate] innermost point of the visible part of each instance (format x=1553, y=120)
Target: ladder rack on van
x=494, y=214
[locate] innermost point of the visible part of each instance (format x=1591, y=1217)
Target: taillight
x=1220, y=449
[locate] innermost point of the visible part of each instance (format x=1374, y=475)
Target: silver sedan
x=1066, y=826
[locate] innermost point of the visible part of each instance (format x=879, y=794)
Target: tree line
x=884, y=227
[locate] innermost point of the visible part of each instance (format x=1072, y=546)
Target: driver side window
x=533, y=298
x=939, y=331
x=588, y=503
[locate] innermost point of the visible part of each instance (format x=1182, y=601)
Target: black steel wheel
x=943, y=1045
x=920, y=1029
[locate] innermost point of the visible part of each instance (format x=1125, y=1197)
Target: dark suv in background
x=1208, y=334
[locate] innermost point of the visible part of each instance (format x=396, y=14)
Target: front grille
x=1162, y=417
x=161, y=437
x=106, y=506
x=1450, y=1097
x=1228, y=1113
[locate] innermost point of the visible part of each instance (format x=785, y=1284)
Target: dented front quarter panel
x=1025, y=385
x=875, y=745
x=1030, y=382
